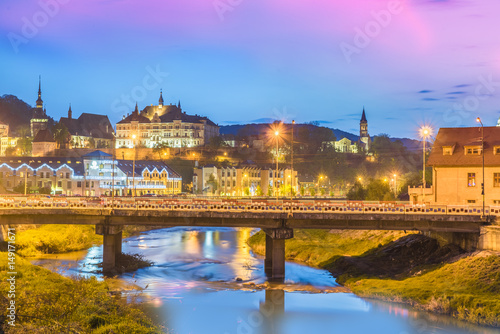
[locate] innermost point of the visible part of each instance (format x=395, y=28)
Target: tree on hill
x=61, y=135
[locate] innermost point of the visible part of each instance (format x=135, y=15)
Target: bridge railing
x=256, y=205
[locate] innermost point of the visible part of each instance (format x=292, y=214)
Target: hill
x=14, y=112
x=255, y=129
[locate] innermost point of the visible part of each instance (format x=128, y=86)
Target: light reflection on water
x=192, y=288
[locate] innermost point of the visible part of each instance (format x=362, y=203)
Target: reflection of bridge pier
x=111, y=245
x=272, y=309
x=274, y=263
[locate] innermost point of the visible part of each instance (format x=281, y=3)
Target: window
x=471, y=179
x=447, y=151
x=67, y=175
x=59, y=184
x=234, y=183
x=79, y=184
x=471, y=201
x=69, y=185
x=472, y=150
x=496, y=150
x=496, y=179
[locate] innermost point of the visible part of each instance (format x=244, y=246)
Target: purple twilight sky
x=408, y=62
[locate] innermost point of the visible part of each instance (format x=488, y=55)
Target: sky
x=408, y=63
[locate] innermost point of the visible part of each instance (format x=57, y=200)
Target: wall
x=451, y=185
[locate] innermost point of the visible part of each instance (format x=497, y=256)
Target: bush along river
x=207, y=280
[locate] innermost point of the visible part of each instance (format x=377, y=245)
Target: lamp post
x=482, y=153
x=276, y=134
x=395, y=185
x=133, y=168
x=424, y=132
x=292, y=184
x=26, y=178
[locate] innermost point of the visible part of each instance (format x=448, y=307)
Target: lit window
x=496, y=179
x=472, y=150
x=471, y=179
x=447, y=151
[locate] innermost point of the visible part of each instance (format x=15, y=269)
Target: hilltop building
x=39, y=120
x=345, y=145
x=164, y=124
x=43, y=143
x=89, y=130
x=364, y=138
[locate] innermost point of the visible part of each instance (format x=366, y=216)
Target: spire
x=39, y=102
x=179, y=105
x=70, y=113
x=136, y=111
x=160, y=101
x=363, y=117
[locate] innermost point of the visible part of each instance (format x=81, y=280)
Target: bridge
x=462, y=225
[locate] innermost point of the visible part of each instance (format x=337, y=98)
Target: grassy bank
x=50, y=303
x=52, y=239
x=318, y=248
x=56, y=239
x=467, y=289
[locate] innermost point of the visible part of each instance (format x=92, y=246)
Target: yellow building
x=457, y=167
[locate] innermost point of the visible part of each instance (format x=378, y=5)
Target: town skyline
x=408, y=62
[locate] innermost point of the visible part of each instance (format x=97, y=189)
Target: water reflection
x=193, y=288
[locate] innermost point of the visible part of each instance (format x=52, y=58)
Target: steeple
x=70, y=113
x=160, y=101
x=363, y=116
x=136, y=111
x=179, y=105
x=39, y=102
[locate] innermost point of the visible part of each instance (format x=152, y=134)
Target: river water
x=207, y=280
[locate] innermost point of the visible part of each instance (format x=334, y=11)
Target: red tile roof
x=459, y=138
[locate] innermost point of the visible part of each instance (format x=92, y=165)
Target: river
x=207, y=280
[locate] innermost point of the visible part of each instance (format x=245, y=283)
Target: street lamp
x=133, y=167
x=276, y=134
x=395, y=184
x=425, y=131
x=291, y=191
x=26, y=177
x=482, y=153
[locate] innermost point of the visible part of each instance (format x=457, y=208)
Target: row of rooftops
x=462, y=147
x=78, y=164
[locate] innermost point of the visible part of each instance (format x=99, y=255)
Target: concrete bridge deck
x=457, y=224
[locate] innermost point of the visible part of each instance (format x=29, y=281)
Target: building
x=89, y=130
x=456, y=159
x=246, y=179
x=90, y=175
x=43, y=143
x=364, y=138
x=39, y=120
x=4, y=130
x=164, y=125
x=346, y=145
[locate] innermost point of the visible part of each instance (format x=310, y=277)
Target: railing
x=243, y=205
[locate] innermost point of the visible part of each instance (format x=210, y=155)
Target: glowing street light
x=482, y=153
x=425, y=131
x=276, y=134
x=133, y=167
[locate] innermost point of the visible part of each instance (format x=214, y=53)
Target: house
x=456, y=159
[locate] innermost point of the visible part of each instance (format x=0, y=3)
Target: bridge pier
x=274, y=263
x=112, y=245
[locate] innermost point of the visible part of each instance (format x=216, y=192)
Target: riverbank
x=47, y=302
x=56, y=239
x=410, y=269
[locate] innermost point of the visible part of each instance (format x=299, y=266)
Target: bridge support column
x=112, y=245
x=274, y=263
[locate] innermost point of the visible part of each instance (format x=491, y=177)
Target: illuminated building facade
x=90, y=175
x=242, y=180
x=164, y=124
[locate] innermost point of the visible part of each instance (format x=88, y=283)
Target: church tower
x=160, y=101
x=364, y=137
x=39, y=119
